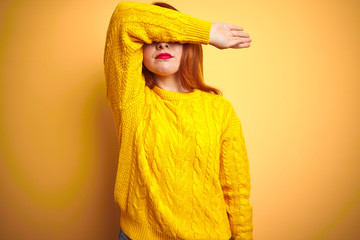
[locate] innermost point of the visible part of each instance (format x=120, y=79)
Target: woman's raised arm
x=131, y=25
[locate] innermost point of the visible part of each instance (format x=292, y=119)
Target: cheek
x=146, y=56
x=148, y=50
x=180, y=52
x=145, y=53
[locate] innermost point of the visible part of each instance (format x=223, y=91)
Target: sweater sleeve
x=133, y=24
x=235, y=178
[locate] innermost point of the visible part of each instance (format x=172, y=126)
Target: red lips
x=164, y=56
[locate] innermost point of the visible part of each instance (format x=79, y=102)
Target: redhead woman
x=183, y=170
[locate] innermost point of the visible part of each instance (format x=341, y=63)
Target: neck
x=170, y=83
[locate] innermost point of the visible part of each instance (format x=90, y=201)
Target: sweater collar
x=171, y=95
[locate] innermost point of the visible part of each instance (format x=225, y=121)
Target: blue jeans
x=122, y=236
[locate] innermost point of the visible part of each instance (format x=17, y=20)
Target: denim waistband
x=123, y=236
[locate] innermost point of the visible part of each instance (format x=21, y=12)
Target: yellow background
x=296, y=91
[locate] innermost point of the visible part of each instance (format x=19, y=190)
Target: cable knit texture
x=183, y=170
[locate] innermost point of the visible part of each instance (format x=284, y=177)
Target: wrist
x=198, y=29
x=211, y=34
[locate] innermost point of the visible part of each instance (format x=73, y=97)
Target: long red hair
x=191, y=66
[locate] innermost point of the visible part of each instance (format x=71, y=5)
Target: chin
x=164, y=72
x=164, y=69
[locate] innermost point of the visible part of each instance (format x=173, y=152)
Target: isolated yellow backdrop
x=295, y=90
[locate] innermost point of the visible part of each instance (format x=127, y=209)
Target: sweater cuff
x=199, y=29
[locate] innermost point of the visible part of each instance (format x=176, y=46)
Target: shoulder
x=218, y=101
x=221, y=107
x=127, y=4
x=138, y=7
x=129, y=10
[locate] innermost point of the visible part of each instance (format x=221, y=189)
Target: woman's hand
x=224, y=35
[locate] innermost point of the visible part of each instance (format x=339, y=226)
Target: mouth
x=164, y=56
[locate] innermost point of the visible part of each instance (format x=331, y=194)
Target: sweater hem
x=138, y=230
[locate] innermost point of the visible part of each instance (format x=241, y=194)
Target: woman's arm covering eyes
x=131, y=25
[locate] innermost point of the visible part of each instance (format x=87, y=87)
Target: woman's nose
x=162, y=45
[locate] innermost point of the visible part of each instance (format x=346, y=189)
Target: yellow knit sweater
x=183, y=170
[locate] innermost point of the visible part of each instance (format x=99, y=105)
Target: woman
x=183, y=169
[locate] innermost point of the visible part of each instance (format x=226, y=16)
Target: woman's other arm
x=235, y=178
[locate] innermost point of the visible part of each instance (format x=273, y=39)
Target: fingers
x=241, y=43
x=234, y=27
x=239, y=34
x=242, y=40
x=238, y=40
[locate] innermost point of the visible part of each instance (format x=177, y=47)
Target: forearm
x=236, y=187
x=147, y=23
